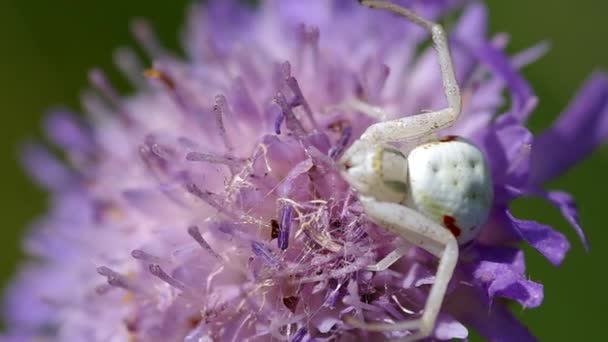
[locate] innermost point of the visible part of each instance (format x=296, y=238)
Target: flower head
x=209, y=206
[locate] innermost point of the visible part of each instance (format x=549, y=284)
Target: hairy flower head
x=208, y=206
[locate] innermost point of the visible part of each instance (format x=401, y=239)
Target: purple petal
x=501, y=272
x=499, y=63
x=551, y=244
x=206, y=40
x=473, y=24
x=530, y=55
x=18, y=337
x=507, y=148
x=501, y=66
x=470, y=31
x=65, y=131
x=565, y=203
x=448, y=329
x=491, y=319
x=22, y=307
x=578, y=131
x=45, y=168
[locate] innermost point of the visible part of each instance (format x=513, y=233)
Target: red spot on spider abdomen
x=450, y=224
x=449, y=138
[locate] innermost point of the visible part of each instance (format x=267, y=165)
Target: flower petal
x=64, y=130
x=551, y=244
x=501, y=272
x=491, y=319
x=499, y=63
x=507, y=148
x=565, y=203
x=447, y=329
x=577, y=132
x=45, y=168
x=501, y=66
x=471, y=30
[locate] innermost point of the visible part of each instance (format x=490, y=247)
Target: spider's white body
x=447, y=180
x=437, y=196
x=450, y=183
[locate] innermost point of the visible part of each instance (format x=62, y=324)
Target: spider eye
x=393, y=168
x=396, y=186
x=379, y=172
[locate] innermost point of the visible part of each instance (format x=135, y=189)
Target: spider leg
x=416, y=228
x=416, y=126
x=368, y=109
x=389, y=259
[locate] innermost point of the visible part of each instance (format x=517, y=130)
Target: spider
x=437, y=196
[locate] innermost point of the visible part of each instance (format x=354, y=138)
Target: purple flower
x=208, y=206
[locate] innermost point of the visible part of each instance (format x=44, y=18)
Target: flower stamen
x=194, y=232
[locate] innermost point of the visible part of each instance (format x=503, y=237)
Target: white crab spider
x=436, y=197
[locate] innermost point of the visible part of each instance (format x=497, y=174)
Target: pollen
x=161, y=76
x=128, y=297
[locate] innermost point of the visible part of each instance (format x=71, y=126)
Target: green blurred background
x=48, y=47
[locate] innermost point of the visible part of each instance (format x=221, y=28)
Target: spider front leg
x=389, y=259
x=366, y=108
x=425, y=233
x=416, y=126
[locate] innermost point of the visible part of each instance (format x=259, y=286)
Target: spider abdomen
x=450, y=183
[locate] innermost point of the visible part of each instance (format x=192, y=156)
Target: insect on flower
x=428, y=196
x=262, y=188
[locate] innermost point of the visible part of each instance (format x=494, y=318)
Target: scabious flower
x=208, y=205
